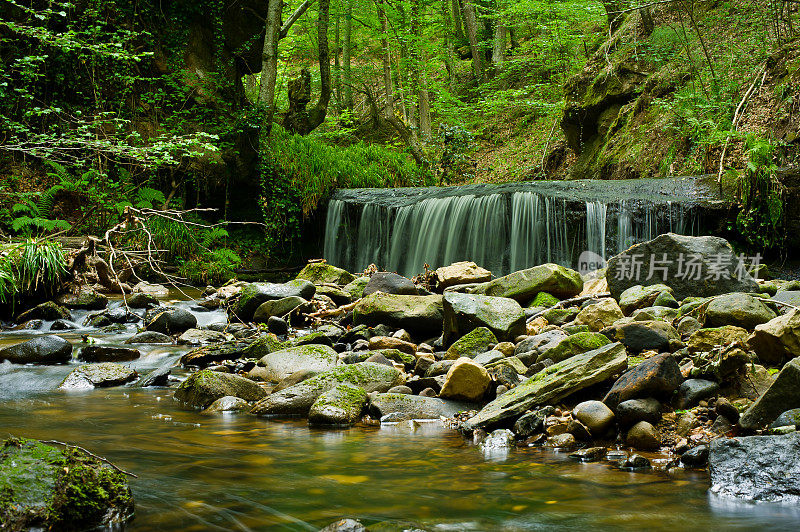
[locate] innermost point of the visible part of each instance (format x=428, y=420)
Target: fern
x=212, y=236
x=148, y=198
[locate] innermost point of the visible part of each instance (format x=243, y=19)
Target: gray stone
x=206, y=386
x=86, y=299
x=415, y=406
x=102, y=375
x=341, y=405
x=790, y=418
x=740, y=310
x=228, y=403
x=572, y=345
x=254, y=294
x=40, y=350
x=639, y=297
x=107, y=353
x=532, y=422
x=64, y=325
x=421, y=315
x=498, y=443
x=484, y=359
x=475, y=342
x=142, y=300
x=280, y=364
x=643, y=437
x=783, y=394
x=277, y=308
x=633, y=411
x=277, y=325
x=203, y=337
x=696, y=456
x=465, y=312
x=657, y=376
x=172, y=322
x=597, y=417
x=389, y=283
x=641, y=336
x=778, y=339
x=523, y=285
x=149, y=337
x=692, y=391
x=157, y=377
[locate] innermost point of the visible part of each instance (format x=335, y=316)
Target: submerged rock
x=50, y=488
x=206, y=386
x=465, y=312
x=103, y=375
x=40, y=350
x=419, y=314
x=279, y=365
x=341, y=405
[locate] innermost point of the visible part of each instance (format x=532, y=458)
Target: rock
x=390, y=283
x=599, y=315
x=597, y=417
x=523, y=285
x=277, y=308
x=315, y=337
x=149, y=337
x=528, y=350
x=291, y=380
x=641, y=336
x=790, y=418
x=203, y=337
x=47, y=311
x=782, y=395
x=85, y=299
x=420, y=314
x=560, y=316
x=643, y=437
x=402, y=389
x=680, y=253
x=379, y=358
x=55, y=488
x=157, y=377
x=460, y=273
x=692, y=391
x=573, y=345
x=280, y=364
x=206, y=386
x=666, y=299
x=337, y=295
x=484, y=359
x=30, y=325
x=591, y=454
x=64, y=325
x=553, y=384
x=341, y=405
x=387, y=342
x=707, y=339
x=788, y=296
x=655, y=313
x=172, y=322
x=475, y=342
x=544, y=300
x=635, y=461
x=658, y=376
x=633, y=411
x=142, y=300
x=638, y=296
x=103, y=375
x=532, y=422
x=345, y=525
x=414, y=406
x=686, y=423
x=725, y=409
x=440, y=367
x=688, y=325
x=464, y=312
x=756, y=468
x=465, y=381
x=277, y=325
x=579, y=430
x=740, y=310
x=39, y=350
x=106, y=353
x=203, y=356
x=322, y=272
x=297, y=400
x=696, y=457
x=562, y=441
x=778, y=339
x=152, y=289
x=355, y=288
x=498, y=443
x=253, y=295
x=228, y=403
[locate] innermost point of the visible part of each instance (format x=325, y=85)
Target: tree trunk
x=348, y=39
x=387, y=58
x=613, y=8
x=459, y=28
x=424, y=112
x=647, y=20
x=449, y=52
x=269, y=62
x=499, y=46
x=337, y=50
x=471, y=23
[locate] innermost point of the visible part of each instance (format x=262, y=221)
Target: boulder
x=157, y=377
x=782, y=395
x=667, y=314
x=47, y=311
x=322, y=272
x=475, y=342
x=85, y=299
x=696, y=456
x=419, y=314
x=341, y=405
x=523, y=285
x=599, y=315
x=297, y=400
x=173, y=321
x=153, y=289
x=532, y=422
x=597, y=417
x=253, y=295
x=460, y=273
x=414, y=406
x=528, y=350
x=39, y=350
x=206, y=386
x=553, y=384
x=544, y=300
x=149, y=337
x=787, y=296
x=574, y=345
x=209, y=354
x=60, y=488
x=638, y=296
x=688, y=325
x=790, y=418
x=633, y=411
x=692, y=391
x=142, y=300
x=277, y=325
x=203, y=337
x=227, y=404
x=103, y=375
x=778, y=339
x=740, y=310
x=641, y=336
x=465, y=381
x=389, y=283
x=355, y=288
x=280, y=364
x=389, y=342
x=107, y=353
x=756, y=468
x=64, y=325
x=643, y=437
x=707, y=339
x=277, y=308
x=695, y=266
x=465, y=312
x=658, y=376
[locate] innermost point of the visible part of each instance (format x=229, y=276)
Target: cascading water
x=503, y=227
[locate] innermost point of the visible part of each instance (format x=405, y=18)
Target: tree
x=471, y=23
x=269, y=62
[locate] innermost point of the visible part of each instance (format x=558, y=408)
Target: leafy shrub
x=32, y=269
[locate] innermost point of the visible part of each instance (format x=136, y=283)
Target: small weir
x=509, y=227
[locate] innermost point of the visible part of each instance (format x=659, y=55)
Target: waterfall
x=596, y=227
x=333, y=222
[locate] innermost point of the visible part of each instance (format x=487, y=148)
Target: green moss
x=398, y=356
x=544, y=299
x=473, y=343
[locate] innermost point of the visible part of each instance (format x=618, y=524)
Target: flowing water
x=236, y=472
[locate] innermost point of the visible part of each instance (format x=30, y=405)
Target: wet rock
x=142, y=300
x=633, y=411
x=206, y=386
x=390, y=283
x=460, y=273
x=635, y=461
x=790, y=418
x=707, y=249
x=554, y=383
x=172, y=322
x=478, y=340
x=707, y=339
x=641, y=336
x=464, y=312
x=778, y=339
x=693, y=391
x=532, y=422
x=54, y=488
x=149, y=337
x=107, y=353
x=783, y=394
x=48, y=311
x=523, y=285
x=280, y=364
x=414, y=406
x=725, y=409
x=579, y=430
x=277, y=325
x=277, y=308
x=740, y=310
x=203, y=337
x=157, y=377
x=297, y=400
x=85, y=299
x=345, y=525
x=643, y=436
x=757, y=468
x=103, y=375
x=40, y=350
x=341, y=405
x=686, y=423
x=638, y=296
x=497, y=443
x=152, y=289
x=572, y=345
x=30, y=325
x=253, y=295
x=419, y=314
x=562, y=441
x=322, y=272
x=597, y=417
x=228, y=403
x=64, y=325
x=658, y=376
x=529, y=349
x=263, y=346
x=600, y=315
x=591, y=454
x=465, y=381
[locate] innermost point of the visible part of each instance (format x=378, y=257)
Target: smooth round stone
x=643, y=437
x=696, y=457
x=405, y=390
x=597, y=417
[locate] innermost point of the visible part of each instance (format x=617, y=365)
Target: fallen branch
x=334, y=312
x=567, y=302
x=104, y=460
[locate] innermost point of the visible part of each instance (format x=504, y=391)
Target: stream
x=237, y=472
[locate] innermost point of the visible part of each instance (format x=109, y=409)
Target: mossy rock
x=639, y=296
x=475, y=342
x=277, y=307
x=560, y=316
x=341, y=405
x=574, y=344
x=284, y=362
x=102, y=375
x=707, y=339
x=86, y=299
x=254, y=295
x=45, y=487
x=322, y=272
x=400, y=357
x=419, y=314
x=206, y=386
x=265, y=345
x=524, y=285
x=544, y=300
x=355, y=288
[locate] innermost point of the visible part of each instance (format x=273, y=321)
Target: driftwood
x=333, y=312
x=567, y=302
